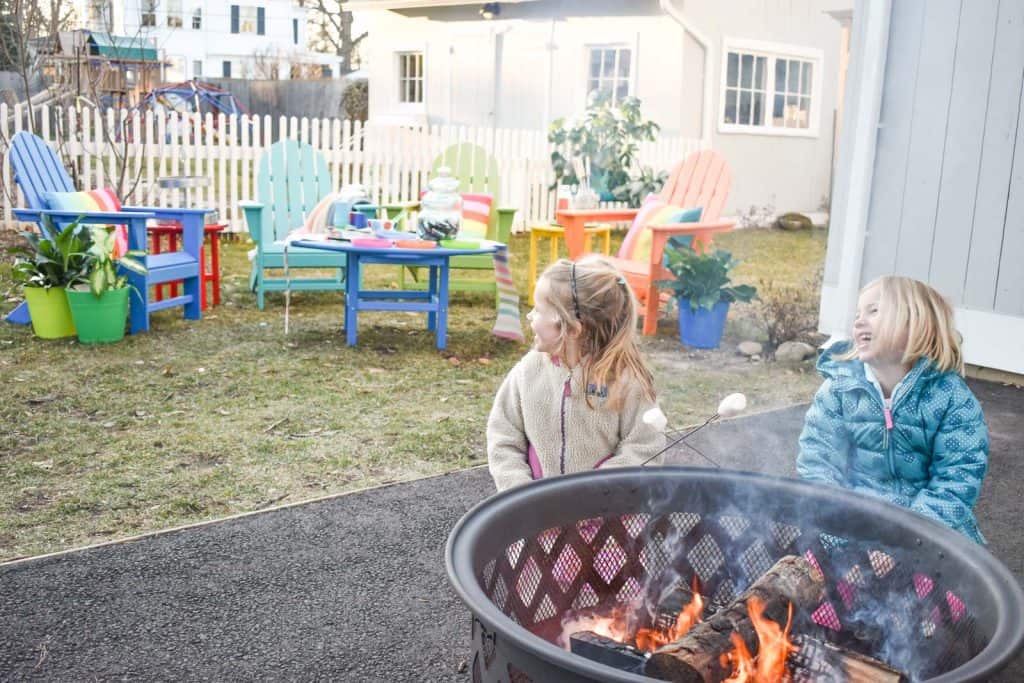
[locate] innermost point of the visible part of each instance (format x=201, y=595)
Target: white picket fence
x=393, y=162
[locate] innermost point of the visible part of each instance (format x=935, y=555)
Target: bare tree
x=334, y=31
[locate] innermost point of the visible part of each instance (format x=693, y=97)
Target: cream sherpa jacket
x=542, y=404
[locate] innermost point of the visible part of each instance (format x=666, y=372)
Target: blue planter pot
x=702, y=328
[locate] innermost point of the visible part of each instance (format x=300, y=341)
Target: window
x=174, y=14
x=608, y=70
x=197, y=68
x=197, y=18
x=410, y=77
x=769, y=89
x=226, y=68
x=175, y=68
x=148, y=17
x=295, y=31
x=99, y=13
x=248, y=19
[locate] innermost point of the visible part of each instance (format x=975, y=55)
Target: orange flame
x=649, y=639
x=773, y=649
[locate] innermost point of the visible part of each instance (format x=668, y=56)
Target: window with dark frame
x=295, y=31
x=148, y=16
x=767, y=91
x=197, y=18
x=174, y=14
x=226, y=68
x=410, y=77
x=608, y=69
x=197, y=68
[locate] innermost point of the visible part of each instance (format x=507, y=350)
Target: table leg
x=432, y=297
x=215, y=266
x=574, y=236
x=203, y=277
x=442, y=302
x=351, y=297
x=172, y=245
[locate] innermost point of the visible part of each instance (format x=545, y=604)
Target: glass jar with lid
x=441, y=208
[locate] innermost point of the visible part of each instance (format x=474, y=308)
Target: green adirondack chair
x=292, y=178
x=477, y=171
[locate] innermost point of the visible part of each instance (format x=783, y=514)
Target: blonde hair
x=911, y=306
x=605, y=311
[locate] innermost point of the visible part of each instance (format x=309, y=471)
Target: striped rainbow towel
x=508, y=324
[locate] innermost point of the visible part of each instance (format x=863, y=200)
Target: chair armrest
x=687, y=228
x=253, y=212
x=660, y=234
x=88, y=217
x=506, y=215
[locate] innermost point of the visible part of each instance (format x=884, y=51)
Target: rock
x=749, y=348
x=794, y=221
x=793, y=351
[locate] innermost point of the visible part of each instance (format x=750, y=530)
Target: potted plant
x=99, y=297
x=605, y=141
x=704, y=292
x=45, y=268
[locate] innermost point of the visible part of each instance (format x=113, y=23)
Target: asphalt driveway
x=351, y=588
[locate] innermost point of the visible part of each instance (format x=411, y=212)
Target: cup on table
x=357, y=220
x=381, y=224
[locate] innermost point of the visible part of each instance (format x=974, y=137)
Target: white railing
x=393, y=162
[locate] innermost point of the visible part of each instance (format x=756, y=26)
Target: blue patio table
x=433, y=301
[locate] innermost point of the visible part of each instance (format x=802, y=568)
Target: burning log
x=608, y=651
x=823, y=662
x=697, y=657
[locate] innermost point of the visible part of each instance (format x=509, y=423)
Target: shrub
x=788, y=312
x=356, y=100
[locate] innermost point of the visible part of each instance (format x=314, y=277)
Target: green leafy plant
x=57, y=262
x=607, y=138
x=703, y=278
x=102, y=259
x=639, y=186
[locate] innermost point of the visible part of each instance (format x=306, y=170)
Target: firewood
x=696, y=657
x=817, y=660
x=607, y=651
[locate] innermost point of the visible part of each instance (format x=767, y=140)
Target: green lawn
x=195, y=421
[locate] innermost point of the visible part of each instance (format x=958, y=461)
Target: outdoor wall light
x=490, y=10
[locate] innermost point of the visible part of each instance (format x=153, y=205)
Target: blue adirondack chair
x=291, y=180
x=38, y=170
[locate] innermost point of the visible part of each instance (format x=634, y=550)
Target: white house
x=930, y=179
x=756, y=79
x=209, y=38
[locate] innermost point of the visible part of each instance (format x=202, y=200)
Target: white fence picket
x=393, y=162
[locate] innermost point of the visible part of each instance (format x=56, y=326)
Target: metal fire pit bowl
x=932, y=603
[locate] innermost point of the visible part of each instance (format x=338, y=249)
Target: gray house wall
x=947, y=201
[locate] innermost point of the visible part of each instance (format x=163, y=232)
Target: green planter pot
x=99, y=319
x=51, y=317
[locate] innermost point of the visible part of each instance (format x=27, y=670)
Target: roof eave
x=357, y=5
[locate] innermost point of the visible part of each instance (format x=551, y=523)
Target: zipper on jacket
x=566, y=393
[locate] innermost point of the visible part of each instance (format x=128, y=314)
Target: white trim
x=991, y=340
x=677, y=16
x=856, y=163
x=772, y=51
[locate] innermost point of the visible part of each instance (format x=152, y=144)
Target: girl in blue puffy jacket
x=894, y=418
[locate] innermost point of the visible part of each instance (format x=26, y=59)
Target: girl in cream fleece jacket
x=576, y=401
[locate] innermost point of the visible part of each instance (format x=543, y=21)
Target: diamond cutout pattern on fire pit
x=654, y=556
x=588, y=528
x=881, y=563
x=684, y=521
x=585, y=598
x=566, y=567
x=755, y=560
x=635, y=524
x=529, y=580
x=547, y=538
x=514, y=550
x=546, y=610
x=610, y=560
x=706, y=557
x=734, y=526
x=784, y=534
x=629, y=591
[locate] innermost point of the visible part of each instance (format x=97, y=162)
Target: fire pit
x=897, y=587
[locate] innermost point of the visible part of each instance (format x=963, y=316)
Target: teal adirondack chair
x=477, y=172
x=292, y=178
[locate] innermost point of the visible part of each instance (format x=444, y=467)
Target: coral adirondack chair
x=702, y=180
x=291, y=180
x=477, y=172
x=38, y=170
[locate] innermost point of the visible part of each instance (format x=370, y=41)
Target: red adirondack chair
x=702, y=180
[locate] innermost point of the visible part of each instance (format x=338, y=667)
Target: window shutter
x=261, y=16
x=234, y=18
x=227, y=69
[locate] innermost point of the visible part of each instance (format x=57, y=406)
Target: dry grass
x=195, y=421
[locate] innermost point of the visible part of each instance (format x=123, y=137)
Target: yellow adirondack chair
x=477, y=172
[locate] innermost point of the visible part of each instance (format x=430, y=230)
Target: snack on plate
x=415, y=244
x=460, y=244
x=373, y=243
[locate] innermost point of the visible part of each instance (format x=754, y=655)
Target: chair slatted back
x=37, y=170
x=292, y=179
x=476, y=170
x=702, y=179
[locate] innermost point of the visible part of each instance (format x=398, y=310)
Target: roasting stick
x=731, y=405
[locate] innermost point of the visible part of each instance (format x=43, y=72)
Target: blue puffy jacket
x=929, y=455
